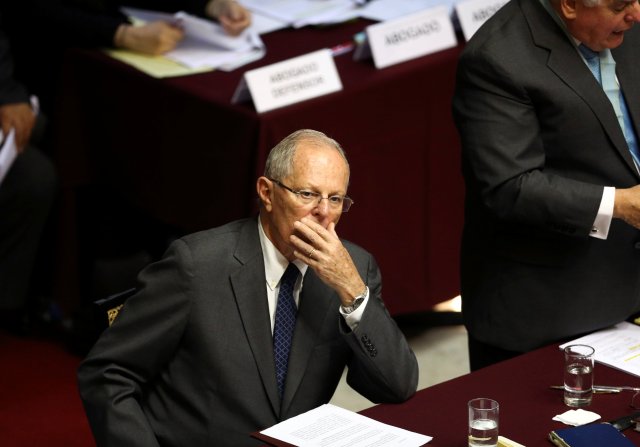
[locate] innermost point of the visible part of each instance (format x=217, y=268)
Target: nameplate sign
x=294, y=80
x=411, y=36
x=473, y=13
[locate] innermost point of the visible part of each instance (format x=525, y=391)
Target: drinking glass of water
x=483, y=422
x=578, y=375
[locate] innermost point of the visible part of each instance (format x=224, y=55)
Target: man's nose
x=634, y=14
x=322, y=208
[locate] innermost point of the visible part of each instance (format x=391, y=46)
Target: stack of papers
x=329, y=425
x=205, y=43
x=299, y=13
x=617, y=346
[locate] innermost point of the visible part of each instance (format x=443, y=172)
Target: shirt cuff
x=600, y=227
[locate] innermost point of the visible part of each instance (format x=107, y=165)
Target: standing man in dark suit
x=551, y=247
x=190, y=359
x=26, y=195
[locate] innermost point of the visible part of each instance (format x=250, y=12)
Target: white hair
x=279, y=163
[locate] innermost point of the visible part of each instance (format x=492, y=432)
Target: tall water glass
x=578, y=375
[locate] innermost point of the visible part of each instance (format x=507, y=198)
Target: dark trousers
x=482, y=354
x=26, y=197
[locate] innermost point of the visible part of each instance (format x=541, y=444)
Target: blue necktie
x=285, y=323
x=604, y=71
x=593, y=61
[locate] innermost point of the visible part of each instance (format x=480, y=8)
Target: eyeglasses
x=306, y=197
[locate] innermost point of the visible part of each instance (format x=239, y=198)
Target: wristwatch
x=357, y=301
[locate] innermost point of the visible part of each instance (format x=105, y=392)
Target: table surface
x=178, y=149
x=521, y=387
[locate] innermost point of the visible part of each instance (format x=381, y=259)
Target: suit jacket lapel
x=628, y=72
x=565, y=62
x=314, y=308
x=248, y=284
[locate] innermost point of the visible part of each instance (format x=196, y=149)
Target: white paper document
x=263, y=24
x=8, y=152
x=205, y=43
x=300, y=13
x=617, y=346
x=382, y=10
x=332, y=426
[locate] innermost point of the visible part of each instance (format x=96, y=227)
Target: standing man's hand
x=322, y=250
x=18, y=116
x=627, y=205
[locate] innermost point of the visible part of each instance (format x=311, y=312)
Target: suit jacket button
x=636, y=245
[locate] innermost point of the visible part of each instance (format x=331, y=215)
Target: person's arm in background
x=233, y=17
x=152, y=38
x=75, y=25
x=160, y=37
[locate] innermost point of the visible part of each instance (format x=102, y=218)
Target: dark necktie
x=605, y=72
x=285, y=323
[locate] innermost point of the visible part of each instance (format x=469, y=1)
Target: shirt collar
x=274, y=262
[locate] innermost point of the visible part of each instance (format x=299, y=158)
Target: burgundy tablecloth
x=527, y=404
x=181, y=151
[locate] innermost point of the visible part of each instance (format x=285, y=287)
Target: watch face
x=357, y=303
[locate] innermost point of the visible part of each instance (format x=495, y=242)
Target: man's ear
x=264, y=187
x=568, y=8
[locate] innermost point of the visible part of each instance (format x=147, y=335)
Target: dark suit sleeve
x=196, y=7
x=383, y=368
x=11, y=91
x=129, y=354
x=77, y=26
x=508, y=166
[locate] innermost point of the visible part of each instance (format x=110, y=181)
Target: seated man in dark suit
x=190, y=359
x=26, y=196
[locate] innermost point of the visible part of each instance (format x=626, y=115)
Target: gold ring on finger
x=311, y=252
